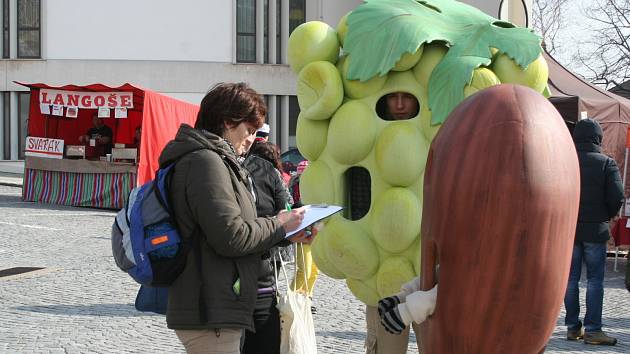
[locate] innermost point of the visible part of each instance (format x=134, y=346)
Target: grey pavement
x=11, y=166
x=81, y=303
x=11, y=179
x=11, y=173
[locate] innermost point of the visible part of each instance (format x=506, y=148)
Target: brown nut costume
x=502, y=180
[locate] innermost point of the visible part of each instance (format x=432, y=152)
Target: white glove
x=409, y=287
x=418, y=306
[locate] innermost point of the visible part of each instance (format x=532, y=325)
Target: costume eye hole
x=358, y=187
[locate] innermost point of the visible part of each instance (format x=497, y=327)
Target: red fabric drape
x=161, y=119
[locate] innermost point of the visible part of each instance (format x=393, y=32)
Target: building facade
x=177, y=48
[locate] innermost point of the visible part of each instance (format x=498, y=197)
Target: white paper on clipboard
x=314, y=213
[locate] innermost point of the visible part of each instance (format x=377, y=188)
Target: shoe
x=577, y=333
x=599, y=338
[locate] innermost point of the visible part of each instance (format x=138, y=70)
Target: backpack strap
x=162, y=181
x=166, y=174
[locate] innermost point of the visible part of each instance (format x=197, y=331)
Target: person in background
x=101, y=135
x=270, y=152
x=601, y=196
x=262, y=134
x=306, y=268
x=212, y=302
x=137, y=135
x=272, y=197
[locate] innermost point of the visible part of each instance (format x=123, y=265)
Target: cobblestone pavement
x=81, y=303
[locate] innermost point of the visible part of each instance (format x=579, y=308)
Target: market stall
x=571, y=95
x=90, y=145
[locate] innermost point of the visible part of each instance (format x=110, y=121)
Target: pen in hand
x=307, y=231
x=291, y=218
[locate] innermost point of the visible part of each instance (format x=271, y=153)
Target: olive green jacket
x=213, y=206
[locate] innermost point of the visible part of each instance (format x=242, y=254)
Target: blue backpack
x=145, y=240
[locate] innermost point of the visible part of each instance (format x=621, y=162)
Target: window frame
x=296, y=6
x=6, y=29
x=6, y=122
x=239, y=56
x=23, y=124
x=38, y=29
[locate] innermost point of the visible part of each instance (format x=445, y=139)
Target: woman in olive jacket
x=211, y=303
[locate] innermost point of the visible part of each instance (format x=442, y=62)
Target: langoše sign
x=86, y=99
x=44, y=147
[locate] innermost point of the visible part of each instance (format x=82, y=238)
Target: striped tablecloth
x=78, y=183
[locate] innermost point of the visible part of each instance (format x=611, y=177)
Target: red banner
x=86, y=99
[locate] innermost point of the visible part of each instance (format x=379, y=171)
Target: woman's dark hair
x=268, y=151
x=231, y=103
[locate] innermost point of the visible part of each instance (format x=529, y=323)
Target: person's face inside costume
x=96, y=121
x=401, y=105
x=241, y=136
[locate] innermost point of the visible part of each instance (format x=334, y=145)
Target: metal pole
x=271, y=118
x=284, y=123
x=623, y=209
x=260, y=31
x=284, y=100
x=272, y=31
x=284, y=30
x=625, y=171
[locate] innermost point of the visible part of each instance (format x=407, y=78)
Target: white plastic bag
x=297, y=330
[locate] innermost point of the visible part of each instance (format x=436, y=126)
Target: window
x=6, y=118
x=246, y=27
x=246, y=31
x=297, y=13
x=24, y=99
x=6, y=44
x=29, y=29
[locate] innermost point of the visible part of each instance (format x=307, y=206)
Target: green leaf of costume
x=381, y=31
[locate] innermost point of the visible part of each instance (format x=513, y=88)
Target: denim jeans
x=594, y=255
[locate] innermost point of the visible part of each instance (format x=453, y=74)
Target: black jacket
x=601, y=190
x=212, y=205
x=271, y=197
x=271, y=194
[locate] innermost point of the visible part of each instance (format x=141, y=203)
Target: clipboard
x=314, y=213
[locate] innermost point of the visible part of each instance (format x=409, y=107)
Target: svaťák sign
x=44, y=147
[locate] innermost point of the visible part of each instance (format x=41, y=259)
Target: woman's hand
x=306, y=236
x=291, y=219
